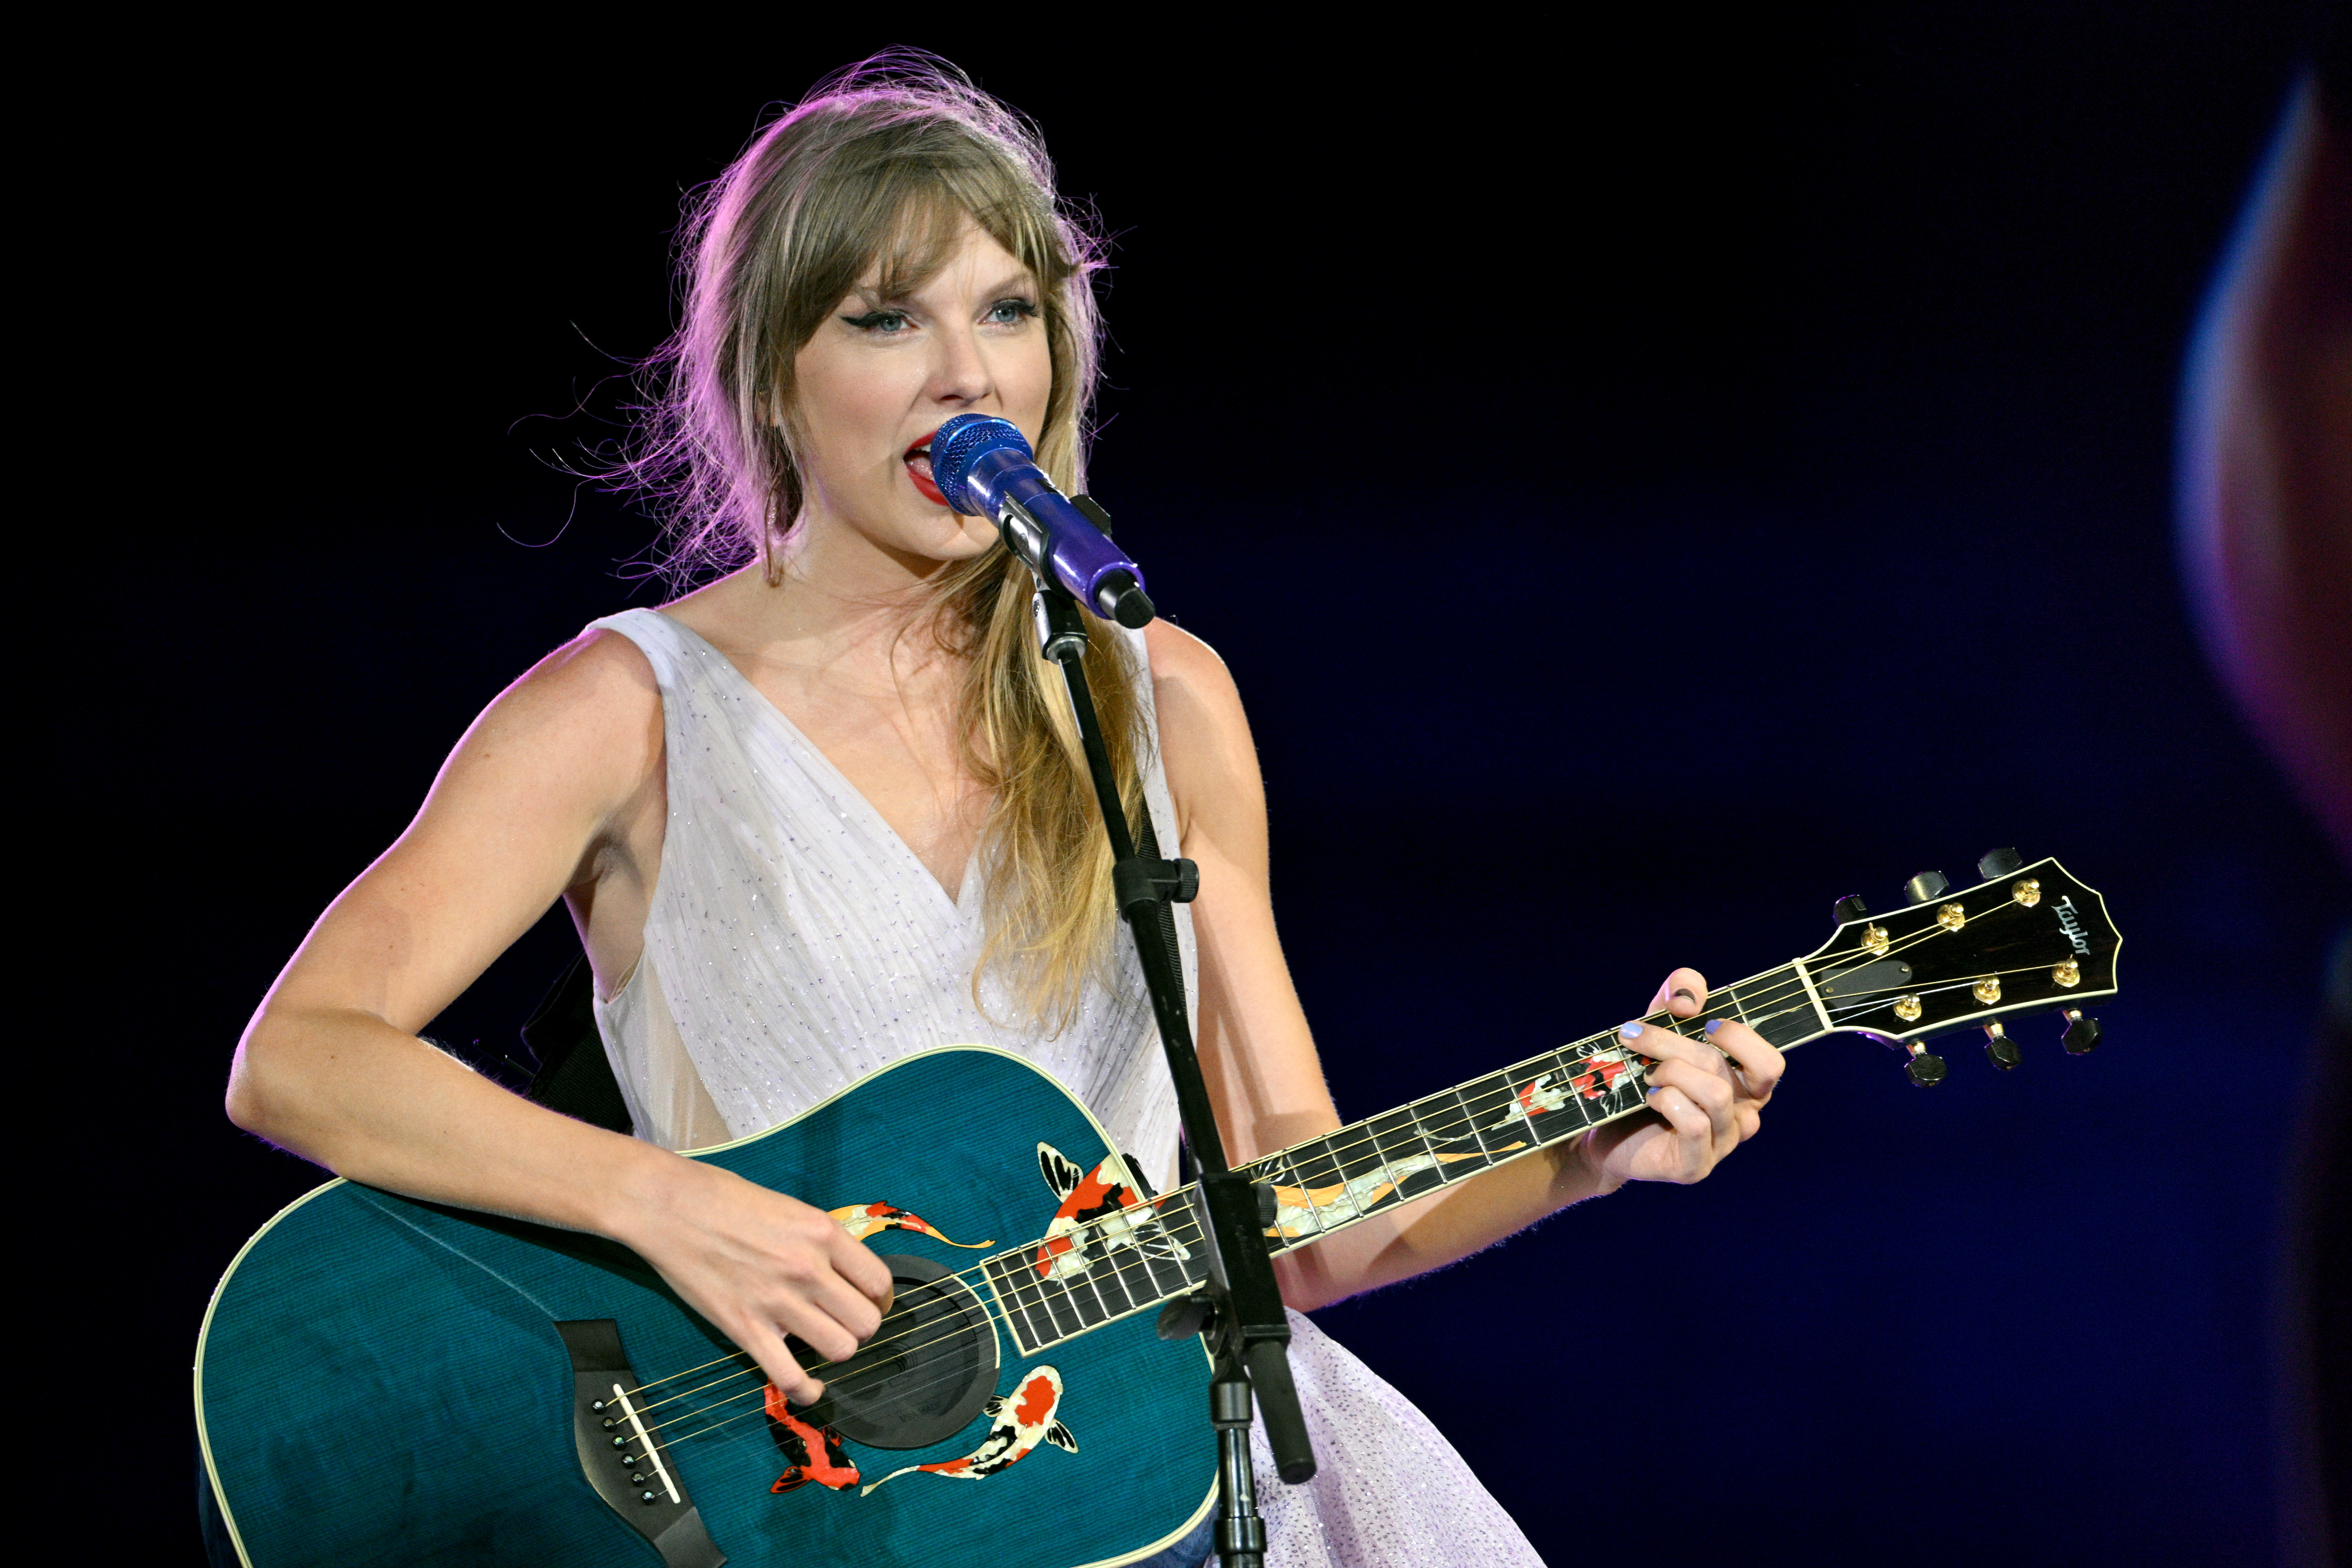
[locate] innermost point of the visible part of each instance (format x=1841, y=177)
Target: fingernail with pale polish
x=1631, y=1031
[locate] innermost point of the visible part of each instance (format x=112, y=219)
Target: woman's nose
x=961, y=374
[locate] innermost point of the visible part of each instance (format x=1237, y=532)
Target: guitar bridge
x=623, y=1460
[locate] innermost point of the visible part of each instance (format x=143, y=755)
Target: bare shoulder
x=598, y=670
x=1190, y=683
x=584, y=722
x=1204, y=739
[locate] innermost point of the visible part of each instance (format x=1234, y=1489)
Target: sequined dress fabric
x=795, y=943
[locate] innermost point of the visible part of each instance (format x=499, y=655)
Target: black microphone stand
x=1239, y=1310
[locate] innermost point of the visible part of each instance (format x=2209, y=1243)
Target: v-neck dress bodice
x=795, y=943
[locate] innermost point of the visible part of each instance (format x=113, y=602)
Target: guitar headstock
x=2026, y=937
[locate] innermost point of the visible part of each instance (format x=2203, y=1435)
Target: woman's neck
x=834, y=606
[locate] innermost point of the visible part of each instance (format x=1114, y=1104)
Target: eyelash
x=873, y=320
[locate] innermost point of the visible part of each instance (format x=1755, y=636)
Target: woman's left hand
x=1708, y=1095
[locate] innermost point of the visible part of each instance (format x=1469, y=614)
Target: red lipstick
x=918, y=469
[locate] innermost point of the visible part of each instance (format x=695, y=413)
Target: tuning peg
x=2082, y=1036
x=1850, y=908
x=1999, y=863
x=1926, y=885
x=1924, y=1067
x=2000, y=1047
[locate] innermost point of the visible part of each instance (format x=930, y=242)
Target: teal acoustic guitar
x=382, y=1380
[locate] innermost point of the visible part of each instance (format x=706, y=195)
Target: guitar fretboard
x=1135, y=1259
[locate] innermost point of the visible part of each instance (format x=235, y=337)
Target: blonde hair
x=883, y=164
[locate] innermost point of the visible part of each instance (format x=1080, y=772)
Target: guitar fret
x=1401, y=1155
x=1062, y=1306
x=1118, y=1262
x=1036, y=1306
x=1535, y=1097
x=1095, y=1287
x=1158, y=1267
x=1413, y=1109
x=1470, y=1117
x=1004, y=1283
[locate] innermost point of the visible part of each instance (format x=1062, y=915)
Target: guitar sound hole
x=926, y=1371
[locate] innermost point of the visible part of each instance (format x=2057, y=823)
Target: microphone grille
x=963, y=441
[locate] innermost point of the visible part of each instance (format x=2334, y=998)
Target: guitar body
x=385, y=1382
x=381, y=1381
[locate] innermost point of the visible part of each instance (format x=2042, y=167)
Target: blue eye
x=887, y=322
x=1007, y=313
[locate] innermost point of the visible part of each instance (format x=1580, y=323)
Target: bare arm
x=1259, y=1055
x=547, y=794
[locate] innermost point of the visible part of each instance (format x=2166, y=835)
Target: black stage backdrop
x=1646, y=484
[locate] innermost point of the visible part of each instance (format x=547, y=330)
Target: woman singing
x=825, y=810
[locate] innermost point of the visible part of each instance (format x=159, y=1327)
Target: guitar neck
x=1325, y=1184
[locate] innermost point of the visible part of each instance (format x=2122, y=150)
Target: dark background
x=1658, y=482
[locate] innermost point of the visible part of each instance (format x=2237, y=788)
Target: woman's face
x=880, y=375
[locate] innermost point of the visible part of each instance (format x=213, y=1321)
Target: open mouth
x=918, y=469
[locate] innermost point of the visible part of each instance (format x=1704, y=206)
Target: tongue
x=921, y=463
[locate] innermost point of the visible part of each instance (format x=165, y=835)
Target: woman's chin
x=971, y=536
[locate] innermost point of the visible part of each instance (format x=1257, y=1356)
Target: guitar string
x=1119, y=1268
x=1028, y=1296
x=1181, y=1227
x=1844, y=1004
x=1445, y=1132
x=904, y=1394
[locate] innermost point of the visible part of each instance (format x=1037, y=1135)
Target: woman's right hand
x=759, y=1265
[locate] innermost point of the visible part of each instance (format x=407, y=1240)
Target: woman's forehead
x=953, y=251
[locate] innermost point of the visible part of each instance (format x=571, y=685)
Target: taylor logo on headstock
x=2072, y=927
x=1948, y=960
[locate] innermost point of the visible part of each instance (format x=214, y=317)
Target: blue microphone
x=984, y=466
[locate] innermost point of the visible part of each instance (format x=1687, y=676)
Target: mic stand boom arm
x=1248, y=1334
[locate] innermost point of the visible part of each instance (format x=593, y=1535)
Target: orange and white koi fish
x=1018, y=1423
x=1601, y=1071
x=1101, y=1208
x=1533, y=1100
x=862, y=1220
x=810, y=1453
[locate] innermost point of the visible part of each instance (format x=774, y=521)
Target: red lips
x=918, y=469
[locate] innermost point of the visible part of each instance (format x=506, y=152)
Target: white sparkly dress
x=795, y=943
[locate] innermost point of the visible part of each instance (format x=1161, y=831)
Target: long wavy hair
x=882, y=164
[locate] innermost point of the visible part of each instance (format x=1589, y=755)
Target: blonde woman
x=823, y=811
